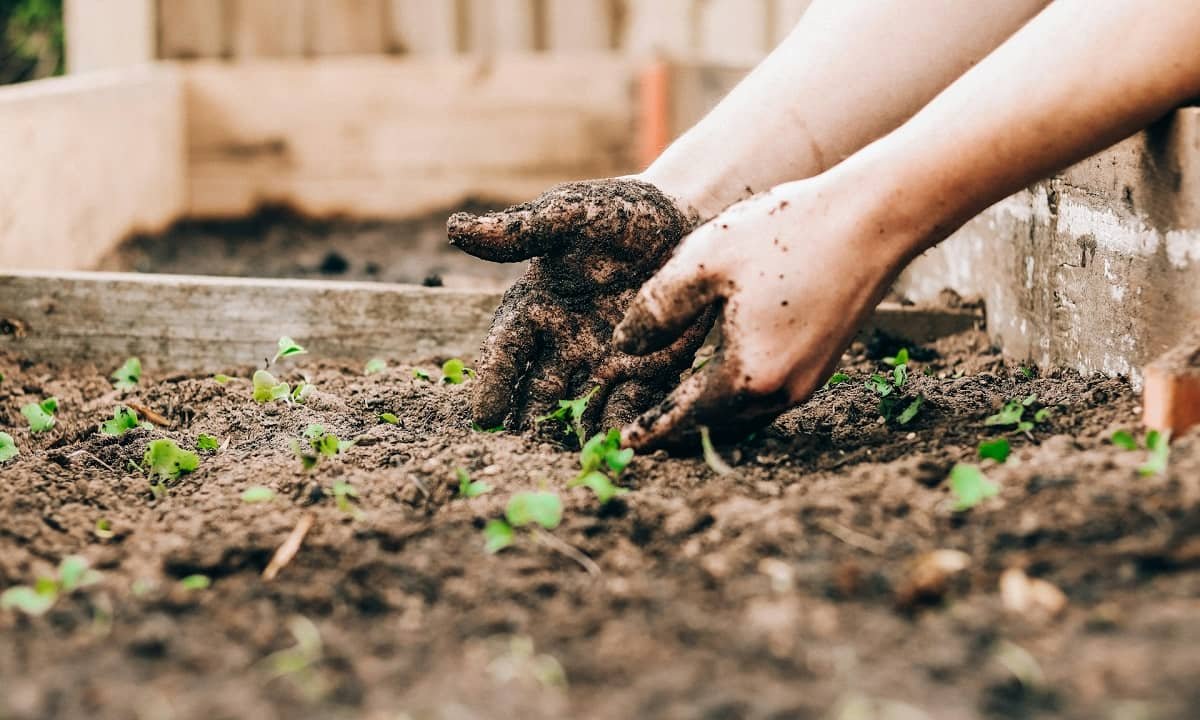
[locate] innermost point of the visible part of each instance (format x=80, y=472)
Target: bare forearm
x=849, y=73
x=1079, y=77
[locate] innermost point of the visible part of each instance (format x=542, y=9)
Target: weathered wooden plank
x=424, y=27
x=659, y=28
x=501, y=26
x=382, y=137
x=185, y=322
x=578, y=25
x=268, y=28
x=189, y=29
x=111, y=34
x=734, y=32
x=85, y=160
x=347, y=27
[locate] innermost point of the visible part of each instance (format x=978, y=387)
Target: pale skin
x=852, y=184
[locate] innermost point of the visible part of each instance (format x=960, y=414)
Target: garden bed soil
x=277, y=242
x=798, y=586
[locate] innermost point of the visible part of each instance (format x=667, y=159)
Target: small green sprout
x=8, y=447
x=420, y=374
x=481, y=429
x=837, y=379
x=207, y=443
x=1159, y=445
x=1028, y=373
x=221, y=379
x=601, y=462
x=287, y=348
x=196, y=582
x=257, y=494
x=908, y=413
x=301, y=392
x=268, y=389
x=40, y=415
x=298, y=662
x=103, y=529
x=525, y=509
x=712, y=458
x=344, y=496
x=318, y=444
x=970, y=486
x=468, y=488
x=127, y=376
x=599, y=483
x=73, y=574
x=123, y=421
x=1124, y=440
x=900, y=358
x=374, y=366
x=389, y=418
x=1013, y=413
x=998, y=449
x=570, y=414
x=167, y=461
x=455, y=372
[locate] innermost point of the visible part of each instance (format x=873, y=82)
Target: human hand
x=592, y=246
x=796, y=272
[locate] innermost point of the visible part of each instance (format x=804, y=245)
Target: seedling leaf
x=389, y=418
x=287, y=348
x=301, y=392
x=497, y=535
x=468, y=488
x=40, y=415
x=455, y=372
x=479, y=428
x=166, y=460
x=836, y=379
x=600, y=484
x=257, y=494
x=1124, y=440
x=604, y=450
x=127, y=376
x=970, y=486
x=74, y=573
x=103, y=529
x=420, y=374
x=267, y=388
x=207, y=442
x=123, y=420
x=221, y=379
x=899, y=376
x=570, y=414
x=901, y=358
x=711, y=457
x=913, y=408
x=541, y=508
x=28, y=600
x=997, y=449
x=374, y=366
x=196, y=582
x=1010, y=414
x=881, y=385
x=8, y=447
x=1159, y=445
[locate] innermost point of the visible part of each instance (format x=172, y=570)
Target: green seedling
x=455, y=372
x=1124, y=440
x=344, y=496
x=73, y=574
x=374, y=366
x=712, y=458
x=221, y=379
x=299, y=663
x=970, y=487
x=207, y=443
x=1159, y=445
x=318, y=444
x=1028, y=373
x=40, y=416
x=481, y=429
x=196, y=582
x=998, y=449
x=893, y=405
x=123, y=421
x=287, y=348
x=103, y=529
x=420, y=374
x=525, y=509
x=166, y=461
x=601, y=462
x=127, y=376
x=8, y=447
x=470, y=488
x=900, y=358
x=837, y=379
x=302, y=390
x=268, y=389
x=570, y=414
x=1013, y=413
x=389, y=418
x=257, y=494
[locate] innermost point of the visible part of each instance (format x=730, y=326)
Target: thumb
x=515, y=234
x=665, y=306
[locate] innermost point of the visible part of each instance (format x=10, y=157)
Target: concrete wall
x=1097, y=268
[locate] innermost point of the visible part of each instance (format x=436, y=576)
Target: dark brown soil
x=277, y=242
x=782, y=590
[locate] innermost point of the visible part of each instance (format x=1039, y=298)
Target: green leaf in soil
x=221, y=379
x=970, y=486
x=123, y=420
x=901, y=358
x=497, y=535
x=103, y=529
x=287, y=348
x=1124, y=440
x=570, y=414
x=28, y=600
x=207, y=442
x=257, y=494
x=600, y=484
x=604, y=450
x=167, y=460
x=374, y=366
x=711, y=457
x=128, y=375
x=541, y=508
x=455, y=372
x=267, y=388
x=837, y=379
x=8, y=447
x=998, y=449
x=40, y=416
x=911, y=411
x=470, y=488
x=420, y=374
x=1159, y=445
x=74, y=573
x=196, y=582
x=389, y=418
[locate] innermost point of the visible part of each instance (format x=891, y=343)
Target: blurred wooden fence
x=721, y=31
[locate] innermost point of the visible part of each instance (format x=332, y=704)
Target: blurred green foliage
x=31, y=39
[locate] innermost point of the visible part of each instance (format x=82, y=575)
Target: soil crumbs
x=828, y=576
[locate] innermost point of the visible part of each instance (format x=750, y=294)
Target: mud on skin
x=766, y=594
x=592, y=244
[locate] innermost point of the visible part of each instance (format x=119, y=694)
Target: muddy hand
x=795, y=272
x=592, y=245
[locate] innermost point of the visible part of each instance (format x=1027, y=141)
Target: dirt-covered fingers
x=546, y=384
x=506, y=352
x=678, y=294
x=518, y=233
x=626, y=402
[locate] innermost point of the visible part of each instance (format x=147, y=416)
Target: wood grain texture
x=85, y=160
x=573, y=26
x=501, y=26
x=424, y=27
x=268, y=28
x=347, y=27
x=204, y=323
x=385, y=137
x=110, y=34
